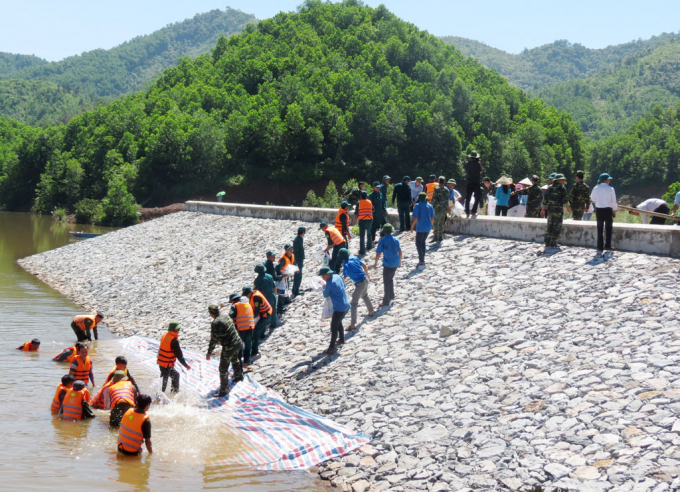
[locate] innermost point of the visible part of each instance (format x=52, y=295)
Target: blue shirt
x=389, y=247
x=502, y=199
x=352, y=269
x=415, y=190
x=335, y=288
x=423, y=211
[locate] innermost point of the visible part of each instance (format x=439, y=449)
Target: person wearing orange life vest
x=65, y=385
x=32, y=346
x=102, y=399
x=342, y=221
x=261, y=312
x=83, y=324
x=169, y=352
x=364, y=215
x=121, y=365
x=335, y=241
x=283, y=285
x=430, y=187
x=122, y=395
x=135, y=428
x=75, y=404
x=81, y=367
x=242, y=315
x=67, y=355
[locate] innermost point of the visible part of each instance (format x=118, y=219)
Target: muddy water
x=41, y=452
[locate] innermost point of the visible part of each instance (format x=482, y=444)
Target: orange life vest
x=336, y=237
x=82, y=372
x=80, y=321
x=27, y=347
x=265, y=307
x=365, y=211
x=73, y=403
x=430, y=190
x=122, y=391
x=166, y=356
x=56, y=404
x=98, y=400
x=338, y=223
x=244, y=316
x=286, y=261
x=70, y=358
x=130, y=436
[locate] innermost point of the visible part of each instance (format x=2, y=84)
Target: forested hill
x=560, y=61
x=331, y=91
x=35, y=91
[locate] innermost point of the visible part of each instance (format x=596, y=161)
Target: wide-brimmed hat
x=552, y=176
x=388, y=229
x=473, y=154
x=504, y=181
x=451, y=181
x=604, y=177
x=174, y=325
x=325, y=271
x=558, y=177
x=525, y=182
x=343, y=254
x=419, y=179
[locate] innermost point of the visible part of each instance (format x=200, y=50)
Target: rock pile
x=496, y=367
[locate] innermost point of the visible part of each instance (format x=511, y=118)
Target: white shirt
x=604, y=196
x=650, y=205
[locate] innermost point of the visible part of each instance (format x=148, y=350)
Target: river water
x=41, y=452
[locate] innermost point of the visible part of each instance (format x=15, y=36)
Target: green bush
x=330, y=199
x=669, y=196
x=119, y=207
x=89, y=211
x=59, y=215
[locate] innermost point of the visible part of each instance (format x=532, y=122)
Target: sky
x=54, y=30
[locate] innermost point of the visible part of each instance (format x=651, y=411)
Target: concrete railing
x=637, y=238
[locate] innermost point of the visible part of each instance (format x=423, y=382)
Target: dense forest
x=332, y=91
x=35, y=91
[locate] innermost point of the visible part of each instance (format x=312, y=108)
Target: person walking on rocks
x=168, y=353
x=242, y=314
x=430, y=186
x=224, y=333
x=357, y=272
x=270, y=269
x=299, y=255
x=364, y=214
x=423, y=218
x=401, y=194
x=383, y=190
x=283, y=288
x=603, y=197
x=335, y=241
x=390, y=249
x=379, y=211
x=473, y=174
x=579, y=197
x=534, y=198
x=336, y=290
x=342, y=221
x=85, y=324
x=416, y=188
x=265, y=284
x=440, y=204
x=553, y=206
x=262, y=310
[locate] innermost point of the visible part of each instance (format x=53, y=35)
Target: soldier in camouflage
x=223, y=332
x=440, y=203
x=579, y=198
x=555, y=199
x=534, y=198
x=355, y=195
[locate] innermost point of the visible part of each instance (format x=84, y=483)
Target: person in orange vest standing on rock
x=430, y=187
x=169, y=352
x=84, y=324
x=335, y=241
x=342, y=221
x=32, y=346
x=242, y=314
x=63, y=388
x=364, y=215
x=135, y=428
x=262, y=310
x=81, y=367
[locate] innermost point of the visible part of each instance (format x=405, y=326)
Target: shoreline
x=494, y=367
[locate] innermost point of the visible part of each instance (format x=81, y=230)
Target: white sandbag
x=327, y=309
x=317, y=254
x=291, y=270
x=316, y=283
x=491, y=209
x=282, y=287
x=517, y=211
x=456, y=208
x=327, y=258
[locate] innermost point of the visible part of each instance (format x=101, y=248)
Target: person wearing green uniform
x=440, y=203
x=534, y=198
x=355, y=195
x=553, y=206
x=383, y=190
x=379, y=218
x=223, y=332
x=579, y=198
x=299, y=254
x=265, y=284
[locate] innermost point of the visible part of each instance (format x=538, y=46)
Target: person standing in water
x=135, y=428
x=169, y=352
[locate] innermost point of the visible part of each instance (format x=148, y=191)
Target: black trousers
x=661, y=209
x=388, y=284
x=337, y=330
x=170, y=372
x=117, y=413
x=605, y=221
x=476, y=190
x=404, y=209
x=421, y=244
x=501, y=210
x=334, y=264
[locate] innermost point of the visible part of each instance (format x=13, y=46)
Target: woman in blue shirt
x=335, y=289
x=356, y=270
x=503, y=194
x=423, y=218
x=390, y=248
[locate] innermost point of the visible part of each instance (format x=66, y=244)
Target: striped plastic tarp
x=277, y=436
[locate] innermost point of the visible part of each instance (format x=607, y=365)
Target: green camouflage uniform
x=223, y=331
x=579, y=198
x=354, y=196
x=440, y=203
x=555, y=199
x=535, y=196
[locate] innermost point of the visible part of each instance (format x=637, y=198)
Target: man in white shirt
x=653, y=205
x=676, y=203
x=604, y=198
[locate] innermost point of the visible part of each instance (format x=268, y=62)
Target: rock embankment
x=494, y=368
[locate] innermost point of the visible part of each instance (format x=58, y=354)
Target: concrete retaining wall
x=637, y=238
